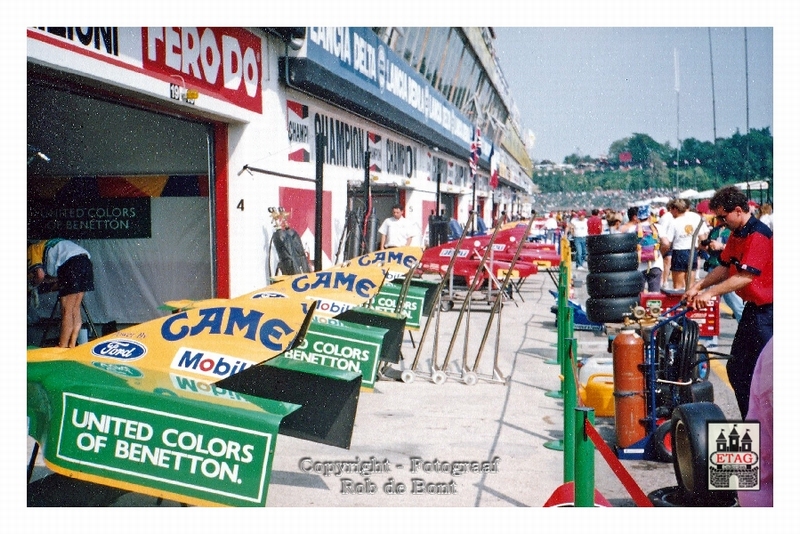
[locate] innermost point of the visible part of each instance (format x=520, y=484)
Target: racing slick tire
x=611, y=243
x=690, y=450
x=611, y=263
x=614, y=285
x=612, y=310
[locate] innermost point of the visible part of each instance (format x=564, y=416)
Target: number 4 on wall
x=240, y=205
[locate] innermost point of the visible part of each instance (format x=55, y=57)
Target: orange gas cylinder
x=629, y=396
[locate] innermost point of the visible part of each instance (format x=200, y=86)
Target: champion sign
x=120, y=349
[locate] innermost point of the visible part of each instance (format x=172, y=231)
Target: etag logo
x=733, y=455
x=120, y=349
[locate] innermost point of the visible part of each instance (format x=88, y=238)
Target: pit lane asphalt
x=407, y=429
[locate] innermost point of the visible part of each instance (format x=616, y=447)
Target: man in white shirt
x=550, y=227
x=678, y=238
x=396, y=231
x=579, y=227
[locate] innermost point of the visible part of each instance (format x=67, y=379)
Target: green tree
x=736, y=159
x=641, y=147
x=698, y=152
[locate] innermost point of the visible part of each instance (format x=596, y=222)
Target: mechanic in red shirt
x=746, y=268
x=595, y=223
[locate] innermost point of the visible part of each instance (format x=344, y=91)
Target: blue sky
x=580, y=89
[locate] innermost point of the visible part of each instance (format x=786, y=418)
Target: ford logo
x=121, y=349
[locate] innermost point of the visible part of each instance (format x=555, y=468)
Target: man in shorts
x=678, y=238
x=70, y=266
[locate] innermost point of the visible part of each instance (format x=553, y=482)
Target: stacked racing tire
x=614, y=281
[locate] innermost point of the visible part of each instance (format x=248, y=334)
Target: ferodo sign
x=224, y=61
x=212, y=461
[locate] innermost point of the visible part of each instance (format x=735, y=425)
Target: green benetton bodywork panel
x=336, y=345
x=413, y=306
x=153, y=432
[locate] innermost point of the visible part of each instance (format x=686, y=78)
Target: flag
x=475, y=150
x=494, y=177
